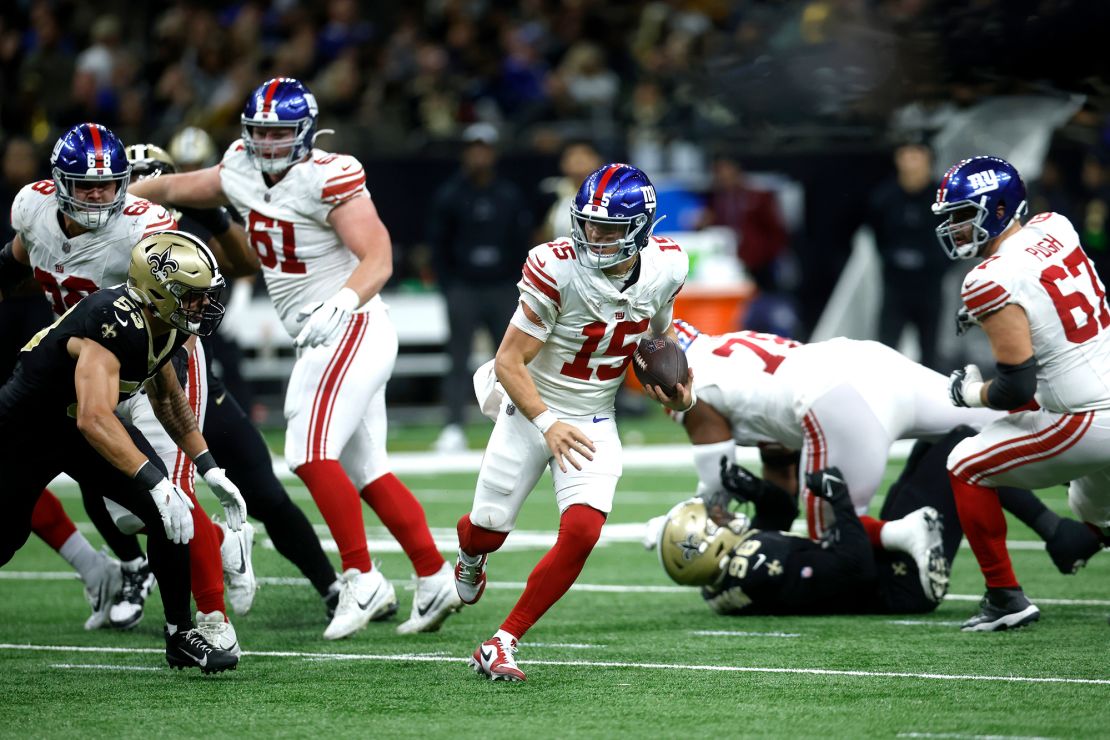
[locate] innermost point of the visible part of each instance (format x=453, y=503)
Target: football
x=659, y=361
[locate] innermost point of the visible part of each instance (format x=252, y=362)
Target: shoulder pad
x=340, y=176
x=548, y=268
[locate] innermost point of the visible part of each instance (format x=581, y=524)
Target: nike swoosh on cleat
x=242, y=558
x=435, y=602
x=362, y=605
x=203, y=662
x=487, y=658
x=597, y=420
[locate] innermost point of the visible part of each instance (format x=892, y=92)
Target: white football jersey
x=592, y=326
x=736, y=374
x=303, y=260
x=70, y=268
x=1043, y=269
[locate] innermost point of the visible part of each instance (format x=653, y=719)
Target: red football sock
x=337, y=500
x=475, y=540
x=403, y=516
x=984, y=525
x=50, y=521
x=873, y=527
x=206, y=568
x=553, y=576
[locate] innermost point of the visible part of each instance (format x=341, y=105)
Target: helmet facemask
x=89, y=214
x=199, y=311
x=271, y=155
x=962, y=235
x=607, y=252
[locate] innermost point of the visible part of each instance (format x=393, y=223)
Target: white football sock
x=80, y=554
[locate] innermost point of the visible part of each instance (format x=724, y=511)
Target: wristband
x=205, y=462
x=148, y=475
x=545, y=421
x=693, y=401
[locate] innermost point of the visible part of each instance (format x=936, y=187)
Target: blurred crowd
x=702, y=89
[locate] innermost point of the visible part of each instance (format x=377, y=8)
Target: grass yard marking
x=102, y=667
x=570, y=645
x=732, y=633
x=604, y=588
x=424, y=658
x=926, y=622
x=970, y=737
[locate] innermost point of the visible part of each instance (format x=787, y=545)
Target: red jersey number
x=1054, y=277
x=68, y=293
x=768, y=347
x=260, y=231
x=579, y=368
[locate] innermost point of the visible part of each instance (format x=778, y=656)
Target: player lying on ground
x=58, y=414
x=757, y=567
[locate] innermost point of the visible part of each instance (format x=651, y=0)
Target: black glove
x=828, y=484
x=964, y=321
x=740, y=482
x=216, y=220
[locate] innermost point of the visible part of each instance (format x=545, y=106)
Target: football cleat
x=1002, y=609
x=190, y=649
x=238, y=569
x=138, y=582
x=101, y=589
x=470, y=577
x=918, y=534
x=436, y=599
x=494, y=659
x=1072, y=545
x=363, y=597
x=219, y=632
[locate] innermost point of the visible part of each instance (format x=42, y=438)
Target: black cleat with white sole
x=1002, y=609
x=189, y=649
x=1072, y=545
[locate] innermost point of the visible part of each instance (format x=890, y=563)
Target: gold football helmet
x=148, y=160
x=193, y=149
x=693, y=548
x=175, y=275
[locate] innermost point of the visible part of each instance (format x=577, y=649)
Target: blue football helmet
x=87, y=156
x=613, y=197
x=970, y=196
x=280, y=103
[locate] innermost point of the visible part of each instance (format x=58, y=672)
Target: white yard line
x=102, y=667
x=732, y=633
x=423, y=658
x=958, y=736
x=606, y=588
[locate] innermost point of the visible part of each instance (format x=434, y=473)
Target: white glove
x=325, y=318
x=964, y=386
x=235, y=509
x=174, y=507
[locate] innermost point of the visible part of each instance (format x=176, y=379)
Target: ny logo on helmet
x=161, y=265
x=983, y=182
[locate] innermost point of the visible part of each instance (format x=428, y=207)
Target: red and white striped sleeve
x=343, y=179
x=156, y=218
x=539, y=287
x=983, y=296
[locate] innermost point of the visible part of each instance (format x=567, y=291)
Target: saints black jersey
x=42, y=386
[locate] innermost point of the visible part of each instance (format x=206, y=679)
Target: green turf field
x=627, y=654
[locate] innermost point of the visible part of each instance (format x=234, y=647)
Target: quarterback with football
x=585, y=302
x=58, y=414
x=325, y=256
x=1043, y=307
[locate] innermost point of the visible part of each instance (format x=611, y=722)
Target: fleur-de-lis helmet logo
x=161, y=265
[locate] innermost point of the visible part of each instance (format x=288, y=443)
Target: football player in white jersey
x=1040, y=302
x=76, y=232
x=325, y=256
x=840, y=403
x=584, y=304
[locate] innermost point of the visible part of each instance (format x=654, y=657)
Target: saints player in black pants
x=755, y=568
x=57, y=414
x=228, y=429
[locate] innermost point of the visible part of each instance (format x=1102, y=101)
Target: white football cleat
x=101, y=589
x=918, y=534
x=238, y=569
x=470, y=577
x=494, y=659
x=362, y=597
x=435, y=600
x=138, y=582
x=218, y=631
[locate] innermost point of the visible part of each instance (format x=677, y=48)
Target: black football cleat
x=189, y=649
x=1072, y=545
x=1002, y=609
